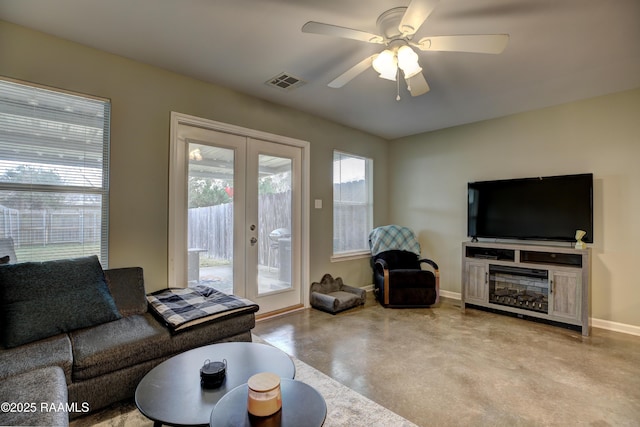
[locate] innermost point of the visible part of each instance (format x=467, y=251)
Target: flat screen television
x=543, y=208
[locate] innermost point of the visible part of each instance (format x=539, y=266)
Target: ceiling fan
x=396, y=28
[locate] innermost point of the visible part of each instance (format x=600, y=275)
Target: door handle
x=253, y=241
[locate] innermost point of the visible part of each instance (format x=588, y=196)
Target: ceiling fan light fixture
x=386, y=64
x=396, y=29
x=408, y=61
x=411, y=70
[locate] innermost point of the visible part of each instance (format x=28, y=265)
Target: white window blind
x=352, y=203
x=54, y=172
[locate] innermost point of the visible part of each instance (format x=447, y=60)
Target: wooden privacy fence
x=211, y=228
x=352, y=227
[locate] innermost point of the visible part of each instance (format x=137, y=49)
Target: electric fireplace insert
x=524, y=288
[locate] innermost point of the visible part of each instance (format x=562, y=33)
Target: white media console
x=542, y=282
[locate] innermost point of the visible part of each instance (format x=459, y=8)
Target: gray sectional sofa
x=76, y=339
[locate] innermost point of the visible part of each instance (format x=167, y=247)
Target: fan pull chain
x=398, y=85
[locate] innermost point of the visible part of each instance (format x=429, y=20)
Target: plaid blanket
x=393, y=237
x=181, y=308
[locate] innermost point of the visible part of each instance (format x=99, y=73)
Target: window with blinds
x=54, y=173
x=352, y=203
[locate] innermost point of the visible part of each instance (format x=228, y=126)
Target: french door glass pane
x=274, y=223
x=210, y=217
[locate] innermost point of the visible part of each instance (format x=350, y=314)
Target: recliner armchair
x=398, y=277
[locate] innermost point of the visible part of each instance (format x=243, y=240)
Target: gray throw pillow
x=127, y=288
x=42, y=299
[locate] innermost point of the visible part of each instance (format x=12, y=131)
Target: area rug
x=345, y=407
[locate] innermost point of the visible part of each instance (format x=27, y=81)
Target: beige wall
x=142, y=100
x=429, y=174
x=423, y=185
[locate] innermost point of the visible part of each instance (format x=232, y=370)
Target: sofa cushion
x=42, y=299
x=53, y=351
x=219, y=330
x=411, y=279
x=115, y=345
x=43, y=394
x=127, y=287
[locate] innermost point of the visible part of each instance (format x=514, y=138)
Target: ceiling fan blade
x=417, y=12
x=352, y=73
x=343, y=32
x=417, y=85
x=484, y=43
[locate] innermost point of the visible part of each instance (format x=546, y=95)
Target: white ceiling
x=559, y=51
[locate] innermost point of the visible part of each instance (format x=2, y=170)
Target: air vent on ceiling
x=285, y=81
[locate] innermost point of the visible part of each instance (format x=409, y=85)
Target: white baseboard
x=450, y=295
x=595, y=323
x=615, y=326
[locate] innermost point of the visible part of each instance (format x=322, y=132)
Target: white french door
x=236, y=217
x=273, y=211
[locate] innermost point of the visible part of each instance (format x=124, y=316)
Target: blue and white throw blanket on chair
x=393, y=237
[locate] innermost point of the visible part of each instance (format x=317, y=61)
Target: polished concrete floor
x=442, y=367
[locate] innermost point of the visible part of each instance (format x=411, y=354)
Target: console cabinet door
x=565, y=294
x=477, y=285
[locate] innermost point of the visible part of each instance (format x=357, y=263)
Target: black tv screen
x=542, y=208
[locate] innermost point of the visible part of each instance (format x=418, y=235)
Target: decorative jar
x=265, y=397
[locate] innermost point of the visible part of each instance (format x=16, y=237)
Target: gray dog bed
x=333, y=296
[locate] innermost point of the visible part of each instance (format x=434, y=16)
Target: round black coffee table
x=171, y=393
x=302, y=405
